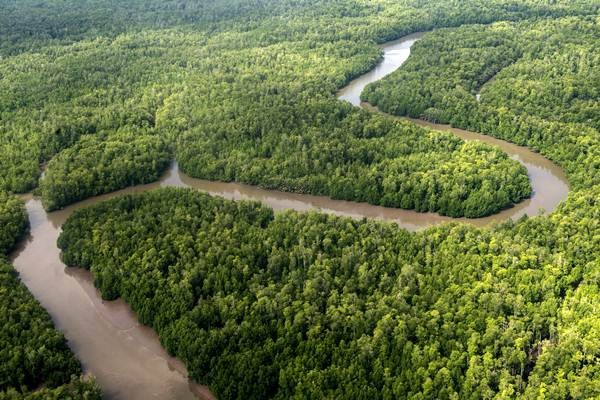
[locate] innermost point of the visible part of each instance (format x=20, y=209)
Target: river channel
x=126, y=357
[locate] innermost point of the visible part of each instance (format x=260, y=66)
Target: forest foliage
x=96, y=165
x=289, y=305
x=544, y=92
x=547, y=98
x=305, y=305
x=13, y=221
x=229, y=84
x=83, y=388
x=35, y=361
x=33, y=353
x=361, y=157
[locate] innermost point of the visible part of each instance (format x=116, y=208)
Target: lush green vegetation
x=32, y=353
x=313, y=306
x=13, y=221
x=294, y=305
x=232, y=84
x=547, y=99
x=94, y=166
x=35, y=361
x=544, y=91
x=77, y=388
x=29, y=24
x=362, y=157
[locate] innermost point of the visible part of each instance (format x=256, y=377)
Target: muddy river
x=126, y=357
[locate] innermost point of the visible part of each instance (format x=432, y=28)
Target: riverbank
x=126, y=357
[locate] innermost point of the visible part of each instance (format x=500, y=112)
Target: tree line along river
x=126, y=357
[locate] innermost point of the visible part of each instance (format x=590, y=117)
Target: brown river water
x=126, y=357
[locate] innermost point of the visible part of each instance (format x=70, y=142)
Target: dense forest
x=35, y=361
x=543, y=69
x=243, y=90
x=33, y=354
x=103, y=94
x=96, y=165
x=362, y=157
x=28, y=24
x=289, y=305
x=305, y=305
x=13, y=221
x=537, y=82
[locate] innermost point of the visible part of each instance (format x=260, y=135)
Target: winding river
x=126, y=357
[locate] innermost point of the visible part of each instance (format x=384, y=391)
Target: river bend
x=126, y=357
